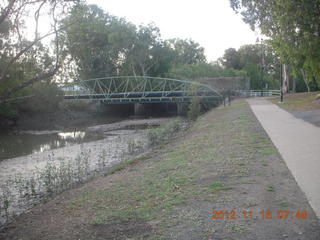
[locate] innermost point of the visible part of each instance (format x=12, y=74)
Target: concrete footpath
x=298, y=143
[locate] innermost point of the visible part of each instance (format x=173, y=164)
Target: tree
x=292, y=26
x=259, y=61
x=23, y=61
x=143, y=54
x=99, y=45
x=231, y=59
x=187, y=51
x=202, y=70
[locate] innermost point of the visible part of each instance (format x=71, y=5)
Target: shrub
x=194, y=110
x=163, y=133
x=46, y=98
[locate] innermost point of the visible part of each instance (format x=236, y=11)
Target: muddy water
x=15, y=144
x=51, y=162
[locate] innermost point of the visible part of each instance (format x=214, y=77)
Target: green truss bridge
x=140, y=89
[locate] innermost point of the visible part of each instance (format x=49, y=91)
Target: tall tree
x=258, y=60
x=24, y=60
x=231, y=59
x=187, y=51
x=100, y=43
x=142, y=55
x=292, y=25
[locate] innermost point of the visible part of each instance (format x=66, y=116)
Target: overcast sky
x=212, y=23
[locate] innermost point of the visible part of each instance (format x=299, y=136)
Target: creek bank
x=27, y=180
x=225, y=162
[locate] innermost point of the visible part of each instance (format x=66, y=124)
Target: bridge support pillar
x=182, y=108
x=140, y=109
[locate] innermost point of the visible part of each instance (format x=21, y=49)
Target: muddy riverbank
x=29, y=179
x=223, y=179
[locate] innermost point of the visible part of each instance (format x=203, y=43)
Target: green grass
x=268, y=151
x=270, y=188
x=236, y=228
x=125, y=164
x=217, y=186
x=284, y=204
x=218, y=142
x=298, y=101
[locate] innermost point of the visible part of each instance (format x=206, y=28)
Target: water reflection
x=72, y=135
x=15, y=144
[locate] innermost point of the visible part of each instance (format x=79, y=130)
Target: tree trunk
x=143, y=70
x=294, y=85
x=8, y=93
x=285, y=81
x=133, y=70
x=305, y=79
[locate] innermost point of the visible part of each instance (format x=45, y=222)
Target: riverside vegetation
x=22, y=192
x=224, y=161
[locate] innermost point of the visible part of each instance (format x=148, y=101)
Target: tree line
x=87, y=42
x=293, y=31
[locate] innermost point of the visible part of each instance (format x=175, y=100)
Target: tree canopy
x=105, y=45
x=24, y=59
x=259, y=61
x=293, y=29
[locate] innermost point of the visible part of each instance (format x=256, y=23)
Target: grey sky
x=212, y=23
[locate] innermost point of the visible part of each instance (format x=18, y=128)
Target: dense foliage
x=203, y=70
x=105, y=45
x=259, y=61
x=24, y=60
x=293, y=29
x=87, y=42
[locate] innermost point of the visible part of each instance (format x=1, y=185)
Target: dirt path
x=223, y=179
x=297, y=141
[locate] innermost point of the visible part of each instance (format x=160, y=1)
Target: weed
x=217, y=186
x=134, y=147
x=236, y=228
x=5, y=199
x=194, y=109
x=284, y=204
x=163, y=133
x=267, y=151
x=250, y=204
x=270, y=188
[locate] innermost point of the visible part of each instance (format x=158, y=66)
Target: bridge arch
x=140, y=89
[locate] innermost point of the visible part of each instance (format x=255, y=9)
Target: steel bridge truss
x=134, y=89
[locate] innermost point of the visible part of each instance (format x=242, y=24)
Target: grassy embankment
x=224, y=161
x=299, y=101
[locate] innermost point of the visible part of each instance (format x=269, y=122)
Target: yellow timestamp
x=262, y=214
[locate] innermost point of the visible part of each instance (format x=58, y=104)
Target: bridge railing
x=258, y=93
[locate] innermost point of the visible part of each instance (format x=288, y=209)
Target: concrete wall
x=145, y=109
x=154, y=109
x=182, y=109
